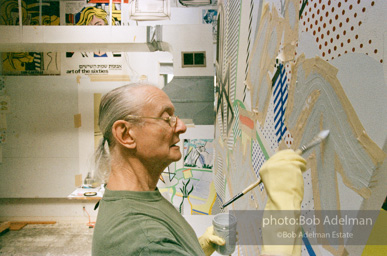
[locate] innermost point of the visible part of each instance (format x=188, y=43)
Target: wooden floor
x=47, y=239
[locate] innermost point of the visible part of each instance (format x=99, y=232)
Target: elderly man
x=140, y=137
x=138, y=124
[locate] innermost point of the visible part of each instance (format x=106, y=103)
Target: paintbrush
x=316, y=140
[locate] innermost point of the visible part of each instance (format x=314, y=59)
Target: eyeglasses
x=171, y=120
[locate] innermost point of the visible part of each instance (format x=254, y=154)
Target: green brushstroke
x=262, y=147
x=304, y=2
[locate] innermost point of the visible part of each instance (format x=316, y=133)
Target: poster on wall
x=92, y=13
x=30, y=63
x=9, y=11
x=210, y=16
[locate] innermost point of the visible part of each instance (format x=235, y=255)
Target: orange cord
x=89, y=224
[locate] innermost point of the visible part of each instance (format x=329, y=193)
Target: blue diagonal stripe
x=280, y=94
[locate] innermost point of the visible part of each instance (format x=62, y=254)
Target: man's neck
x=132, y=175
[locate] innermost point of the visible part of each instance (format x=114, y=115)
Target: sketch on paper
x=198, y=153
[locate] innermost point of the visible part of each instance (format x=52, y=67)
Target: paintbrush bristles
x=316, y=140
x=323, y=134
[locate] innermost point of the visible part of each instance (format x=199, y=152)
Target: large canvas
x=302, y=67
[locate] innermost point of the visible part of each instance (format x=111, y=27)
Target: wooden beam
x=4, y=226
x=17, y=225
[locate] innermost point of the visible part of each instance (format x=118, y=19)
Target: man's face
x=156, y=140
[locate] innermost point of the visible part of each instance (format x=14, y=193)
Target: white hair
x=115, y=105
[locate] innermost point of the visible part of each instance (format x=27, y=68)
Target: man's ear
x=121, y=131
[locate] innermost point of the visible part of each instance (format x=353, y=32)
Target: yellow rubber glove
x=209, y=239
x=284, y=184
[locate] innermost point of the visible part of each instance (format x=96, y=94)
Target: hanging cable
x=90, y=224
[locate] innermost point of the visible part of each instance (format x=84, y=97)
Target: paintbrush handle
x=259, y=181
x=298, y=151
x=233, y=199
x=304, y=148
x=316, y=140
x=252, y=186
x=243, y=192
